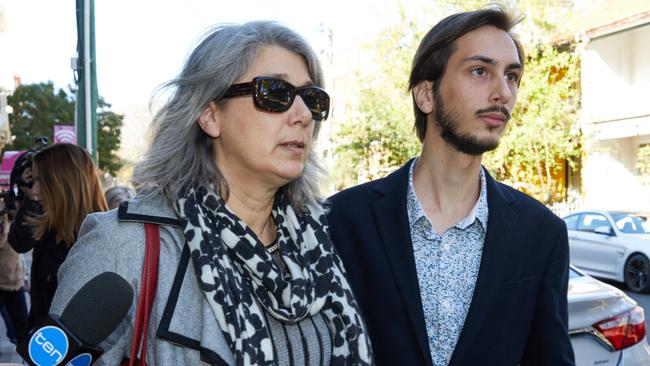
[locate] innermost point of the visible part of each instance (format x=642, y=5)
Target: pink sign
x=65, y=133
x=8, y=160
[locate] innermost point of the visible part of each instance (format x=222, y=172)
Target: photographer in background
x=22, y=204
x=12, y=280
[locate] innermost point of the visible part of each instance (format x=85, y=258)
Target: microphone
x=91, y=316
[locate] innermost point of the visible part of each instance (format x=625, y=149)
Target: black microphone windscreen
x=101, y=304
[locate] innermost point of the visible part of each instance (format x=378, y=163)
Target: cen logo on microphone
x=48, y=346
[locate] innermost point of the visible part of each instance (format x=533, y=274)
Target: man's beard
x=463, y=142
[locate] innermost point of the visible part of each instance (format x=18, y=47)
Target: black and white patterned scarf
x=241, y=280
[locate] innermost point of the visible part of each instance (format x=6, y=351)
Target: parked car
x=606, y=326
x=613, y=245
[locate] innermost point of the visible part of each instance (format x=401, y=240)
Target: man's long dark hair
x=439, y=44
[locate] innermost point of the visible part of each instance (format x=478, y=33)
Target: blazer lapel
x=500, y=236
x=392, y=221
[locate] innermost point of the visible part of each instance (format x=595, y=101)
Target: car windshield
x=631, y=223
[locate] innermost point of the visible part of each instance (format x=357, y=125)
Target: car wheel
x=637, y=273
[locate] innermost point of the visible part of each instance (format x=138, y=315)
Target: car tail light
x=624, y=330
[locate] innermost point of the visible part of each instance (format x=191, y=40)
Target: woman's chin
x=291, y=172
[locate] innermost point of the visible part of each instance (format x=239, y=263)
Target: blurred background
x=580, y=136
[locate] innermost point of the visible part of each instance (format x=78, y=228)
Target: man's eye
x=478, y=71
x=512, y=76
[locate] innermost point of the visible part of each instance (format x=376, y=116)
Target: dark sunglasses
x=277, y=95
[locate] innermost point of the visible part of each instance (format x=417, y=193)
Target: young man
x=449, y=266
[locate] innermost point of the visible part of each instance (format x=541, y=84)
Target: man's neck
x=447, y=183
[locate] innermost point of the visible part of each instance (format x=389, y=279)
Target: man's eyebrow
x=514, y=66
x=483, y=59
x=489, y=61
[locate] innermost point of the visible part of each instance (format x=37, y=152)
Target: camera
x=9, y=199
x=6, y=194
x=40, y=142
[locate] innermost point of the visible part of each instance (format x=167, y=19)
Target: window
x=629, y=223
x=572, y=222
x=591, y=221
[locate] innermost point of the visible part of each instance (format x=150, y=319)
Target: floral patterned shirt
x=447, y=266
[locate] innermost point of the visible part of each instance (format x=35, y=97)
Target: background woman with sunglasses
x=247, y=273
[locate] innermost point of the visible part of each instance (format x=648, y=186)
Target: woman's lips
x=294, y=146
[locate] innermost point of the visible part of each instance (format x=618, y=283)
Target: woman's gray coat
x=182, y=322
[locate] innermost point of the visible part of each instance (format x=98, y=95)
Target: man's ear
x=423, y=96
x=210, y=120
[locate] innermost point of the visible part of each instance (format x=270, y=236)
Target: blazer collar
x=188, y=320
x=148, y=206
x=502, y=235
x=392, y=222
x=397, y=180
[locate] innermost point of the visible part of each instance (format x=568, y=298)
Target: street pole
x=87, y=80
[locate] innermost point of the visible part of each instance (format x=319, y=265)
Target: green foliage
x=379, y=134
x=109, y=126
x=643, y=164
x=38, y=107
x=543, y=134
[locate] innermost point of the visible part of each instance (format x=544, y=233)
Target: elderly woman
x=116, y=195
x=247, y=273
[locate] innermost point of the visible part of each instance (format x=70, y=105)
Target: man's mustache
x=494, y=108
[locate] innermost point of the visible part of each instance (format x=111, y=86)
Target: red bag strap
x=147, y=294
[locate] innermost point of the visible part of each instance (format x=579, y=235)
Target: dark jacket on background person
x=518, y=313
x=46, y=260
x=12, y=280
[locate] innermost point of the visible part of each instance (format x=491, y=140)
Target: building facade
x=615, y=117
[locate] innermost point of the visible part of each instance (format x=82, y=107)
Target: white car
x=605, y=325
x=613, y=245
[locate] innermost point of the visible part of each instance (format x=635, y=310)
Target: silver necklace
x=273, y=247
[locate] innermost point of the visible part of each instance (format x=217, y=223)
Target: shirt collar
x=413, y=207
x=479, y=211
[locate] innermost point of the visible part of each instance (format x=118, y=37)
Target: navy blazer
x=518, y=314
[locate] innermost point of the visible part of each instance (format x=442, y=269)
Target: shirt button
x=446, y=304
x=446, y=246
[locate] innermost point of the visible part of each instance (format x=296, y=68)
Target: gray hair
x=117, y=194
x=181, y=155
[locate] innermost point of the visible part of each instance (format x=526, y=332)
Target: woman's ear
x=423, y=96
x=210, y=120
